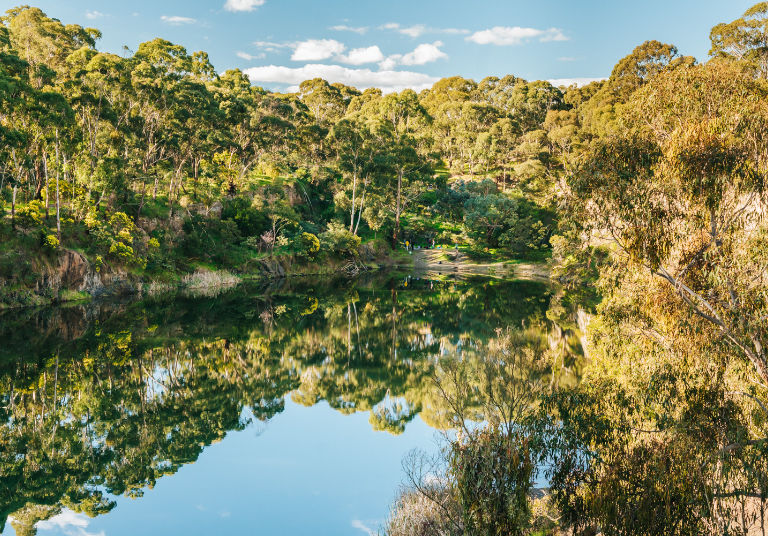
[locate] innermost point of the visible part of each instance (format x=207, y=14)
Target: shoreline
x=79, y=282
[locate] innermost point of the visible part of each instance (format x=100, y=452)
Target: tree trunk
x=354, y=193
x=58, y=209
x=58, y=203
x=398, y=206
x=143, y=197
x=13, y=208
x=47, y=189
x=360, y=212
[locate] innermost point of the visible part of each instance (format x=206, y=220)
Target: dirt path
x=443, y=261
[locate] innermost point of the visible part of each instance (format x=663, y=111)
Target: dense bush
x=492, y=473
x=309, y=245
x=209, y=238
x=338, y=241
x=249, y=220
x=116, y=236
x=31, y=214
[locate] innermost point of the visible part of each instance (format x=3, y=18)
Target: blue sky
x=403, y=43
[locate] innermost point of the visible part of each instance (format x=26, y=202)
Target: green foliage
x=209, y=239
x=249, y=220
x=50, y=242
x=31, y=214
x=116, y=236
x=309, y=244
x=338, y=241
x=492, y=473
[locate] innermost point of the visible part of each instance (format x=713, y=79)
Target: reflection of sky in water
x=308, y=471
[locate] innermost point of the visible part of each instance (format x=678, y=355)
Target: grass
x=67, y=295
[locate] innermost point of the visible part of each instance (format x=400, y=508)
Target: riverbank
x=71, y=276
x=426, y=262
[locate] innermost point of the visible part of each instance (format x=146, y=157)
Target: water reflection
x=102, y=401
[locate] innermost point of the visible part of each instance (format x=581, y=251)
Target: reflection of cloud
x=357, y=524
x=69, y=523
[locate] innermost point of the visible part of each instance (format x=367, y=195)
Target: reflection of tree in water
x=107, y=400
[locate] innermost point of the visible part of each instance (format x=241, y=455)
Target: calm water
x=262, y=410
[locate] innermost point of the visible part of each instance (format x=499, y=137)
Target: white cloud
x=243, y=5
x=387, y=80
x=269, y=46
x=420, y=29
x=175, y=20
x=413, y=31
x=316, y=49
x=515, y=35
x=554, y=34
x=249, y=57
x=390, y=62
x=454, y=31
x=344, y=28
x=357, y=524
x=92, y=15
x=359, y=56
x=567, y=82
x=567, y=58
x=424, y=53
x=69, y=523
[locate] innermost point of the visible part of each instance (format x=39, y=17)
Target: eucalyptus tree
x=239, y=104
x=361, y=146
x=410, y=149
x=327, y=102
x=44, y=43
x=16, y=95
x=744, y=39
x=681, y=191
x=98, y=89
x=158, y=66
x=443, y=102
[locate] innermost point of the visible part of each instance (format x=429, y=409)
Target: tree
x=744, y=39
x=360, y=149
x=680, y=191
x=326, y=102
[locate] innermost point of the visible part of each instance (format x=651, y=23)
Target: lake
x=264, y=409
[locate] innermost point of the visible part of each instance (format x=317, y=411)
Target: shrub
x=416, y=515
x=309, y=244
x=116, y=236
x=492, y=471
x=337, y=240
x=490, y=219
x=50, y=242
x=31, y=215
x=209, y=238
x=249, y=220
